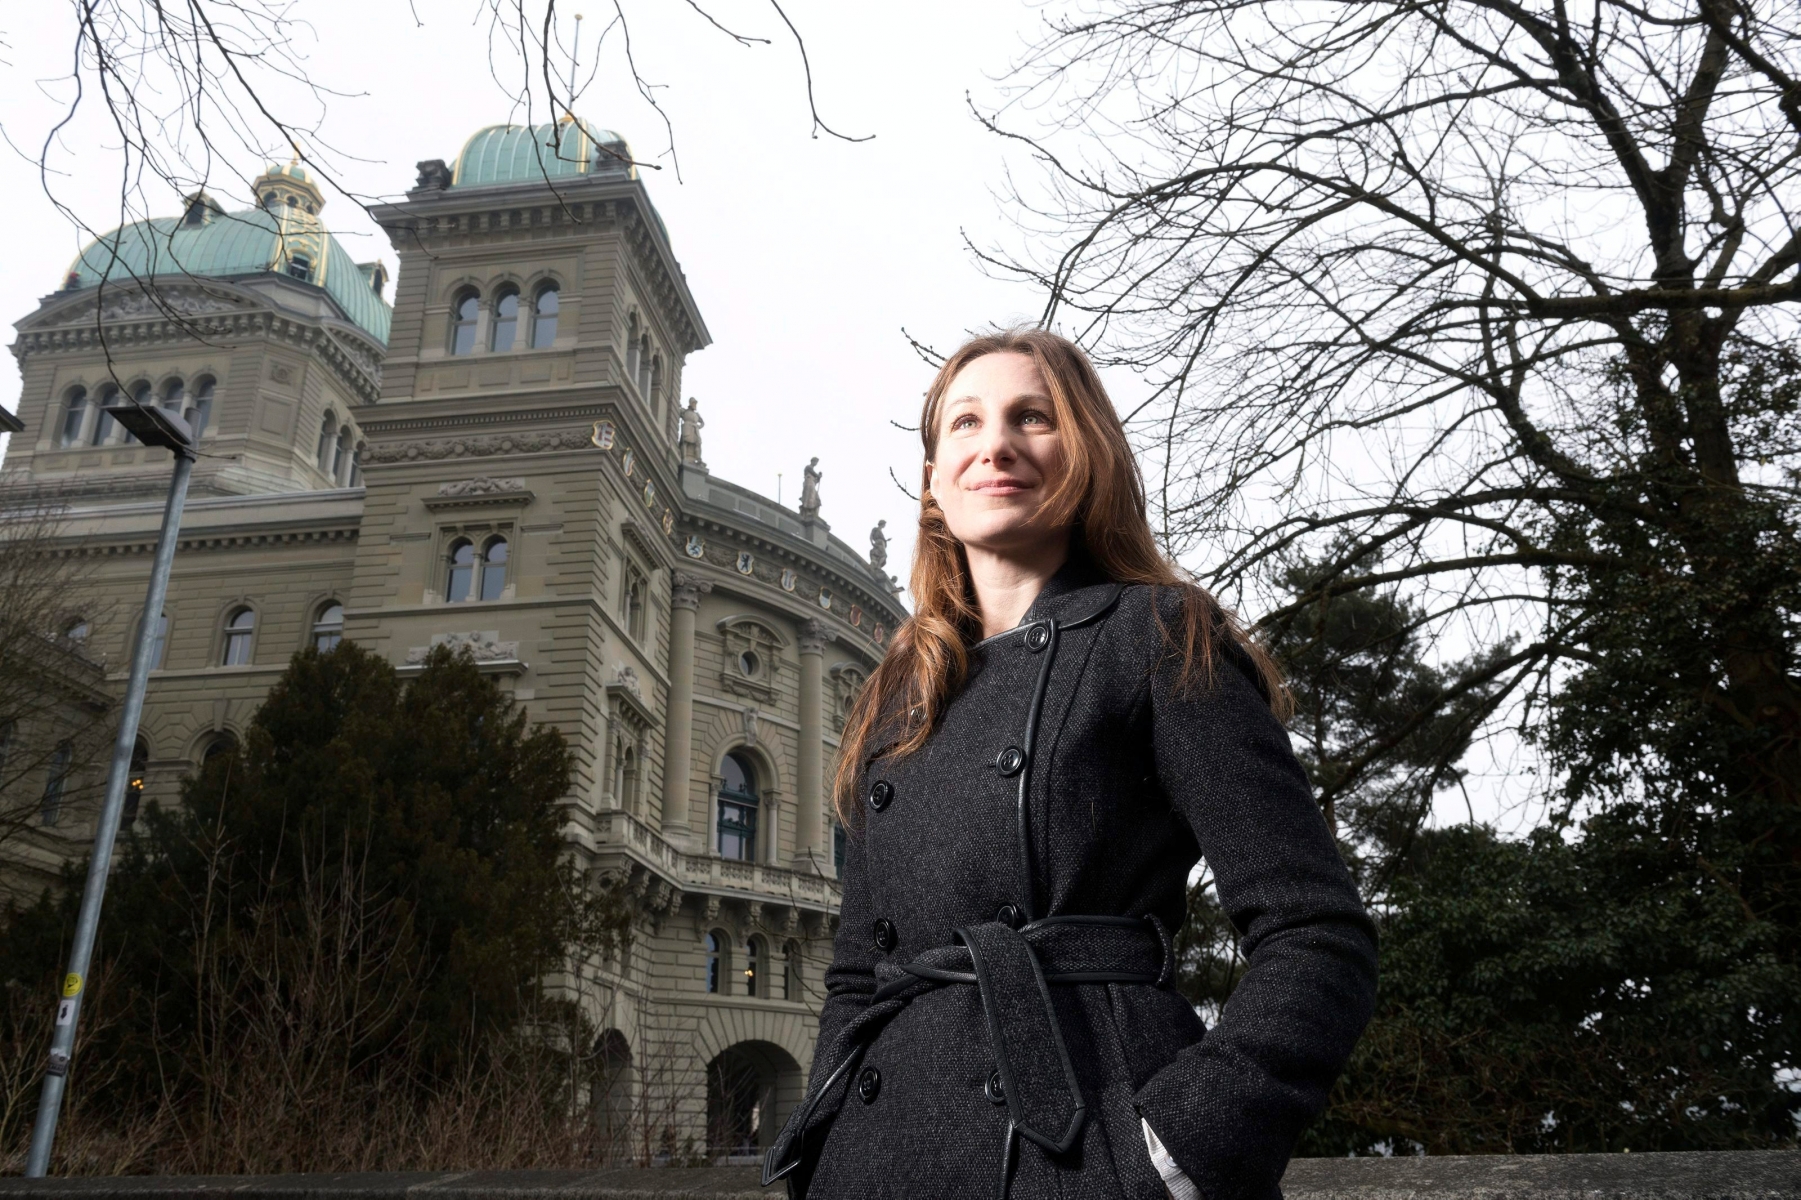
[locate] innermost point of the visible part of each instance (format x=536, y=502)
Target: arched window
x=644, y=365
x=175, y=398
x=633, y=591
x=104, y=425
x=56, y=782
x=201, y=409
x=340, y=459
x=159, y=640
x=144, y=396
x=269, y=199
x=225, y=743
x=625, y=775
x=462, y=570
x=134, y=783
x=463, y=313
x=356, y=464
x=300, y=266
x=791, y=966
x=240, y=627
x=738, y=809
x=328, y=439
x=75, y=416
x=753, y=964
x=494, y=568
x=544, y=319
x=328, y=627
x=506, y=320
x=715, y=961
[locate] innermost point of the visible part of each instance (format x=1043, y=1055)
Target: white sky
x=806, y=255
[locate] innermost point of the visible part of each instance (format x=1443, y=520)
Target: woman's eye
x=963, y=422
x=1035, y=418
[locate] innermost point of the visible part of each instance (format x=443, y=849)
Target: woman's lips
x=1001, y=487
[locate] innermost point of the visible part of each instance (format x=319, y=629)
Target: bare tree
x=200, y=94
x=53, y=698
x=1486, y=299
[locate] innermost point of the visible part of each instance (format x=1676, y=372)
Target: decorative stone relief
x=627, y=678
x=479, y=447
x=481, y=485
x=483, y=646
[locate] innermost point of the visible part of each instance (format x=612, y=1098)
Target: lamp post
x=153, y=427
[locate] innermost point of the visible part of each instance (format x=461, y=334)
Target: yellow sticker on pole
x=71, y=985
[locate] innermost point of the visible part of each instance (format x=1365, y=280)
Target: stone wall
x=1773, y=1175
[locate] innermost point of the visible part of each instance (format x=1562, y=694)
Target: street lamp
x=153, y=427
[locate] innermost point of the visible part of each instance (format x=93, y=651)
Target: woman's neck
x=1006, y=582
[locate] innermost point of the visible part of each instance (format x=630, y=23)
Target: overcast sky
x=806, y=255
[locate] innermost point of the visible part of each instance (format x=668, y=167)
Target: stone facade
x=695, y=642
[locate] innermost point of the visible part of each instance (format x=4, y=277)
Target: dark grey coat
x=976, y=1043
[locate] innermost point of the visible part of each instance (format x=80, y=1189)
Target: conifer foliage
x=346, y=920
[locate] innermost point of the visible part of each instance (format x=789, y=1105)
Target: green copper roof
x=525, y=154
x=251, y=242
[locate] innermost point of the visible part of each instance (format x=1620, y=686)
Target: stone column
x=678, y=729
x=809, y=801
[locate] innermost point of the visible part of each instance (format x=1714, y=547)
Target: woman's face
x=999, y=455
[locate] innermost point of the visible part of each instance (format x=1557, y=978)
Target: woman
x=1054, y=739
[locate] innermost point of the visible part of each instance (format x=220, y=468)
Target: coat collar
x=1078, y=593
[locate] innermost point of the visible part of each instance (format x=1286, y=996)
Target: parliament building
x=496, y=458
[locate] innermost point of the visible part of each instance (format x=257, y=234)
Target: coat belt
x=1014, y=970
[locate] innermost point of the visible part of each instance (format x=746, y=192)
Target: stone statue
x=878, y=546
x=689, y=439
x=809, y=490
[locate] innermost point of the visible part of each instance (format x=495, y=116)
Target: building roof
x=282, y=236
x=501, y=154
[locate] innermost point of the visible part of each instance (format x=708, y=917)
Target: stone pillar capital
x=687, y=590
x=813, y=637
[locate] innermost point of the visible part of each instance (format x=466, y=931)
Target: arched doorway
x=750, y=1089
x=610, y=1096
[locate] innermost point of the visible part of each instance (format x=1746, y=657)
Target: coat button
x=886, y=936
x=1038, y=637
x=869, y=1085
x=1010, y=760
x=1010, y=916
x=993, y=1090
x=881, y=794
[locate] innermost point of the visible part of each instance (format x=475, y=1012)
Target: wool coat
x=1000, y=1015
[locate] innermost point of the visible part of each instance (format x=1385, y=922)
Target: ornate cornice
x=129, y=319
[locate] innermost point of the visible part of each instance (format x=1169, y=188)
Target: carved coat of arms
x=603, y=434
x=696, y=546
x=789, y=579
x=746, y=564
x=825, y=597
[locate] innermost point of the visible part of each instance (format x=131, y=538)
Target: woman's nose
x=997, y=447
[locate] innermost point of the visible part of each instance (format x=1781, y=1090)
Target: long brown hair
x=1100, y=495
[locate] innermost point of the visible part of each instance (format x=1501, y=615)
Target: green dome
x=228, y=245
x=503, y=154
